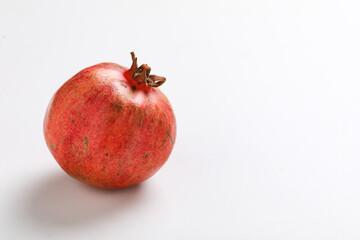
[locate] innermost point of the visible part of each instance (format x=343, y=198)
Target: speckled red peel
x=109, y=126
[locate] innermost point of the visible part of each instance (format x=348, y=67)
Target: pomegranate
x=110, y=126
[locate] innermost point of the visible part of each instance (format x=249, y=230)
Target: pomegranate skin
x=107, y=130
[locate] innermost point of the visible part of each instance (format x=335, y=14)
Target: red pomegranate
x=110, y=126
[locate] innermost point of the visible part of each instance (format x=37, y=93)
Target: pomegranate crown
x=142, y=74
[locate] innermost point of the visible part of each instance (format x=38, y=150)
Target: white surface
x=266, y=95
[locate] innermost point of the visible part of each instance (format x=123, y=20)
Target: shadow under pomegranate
x=61, y=200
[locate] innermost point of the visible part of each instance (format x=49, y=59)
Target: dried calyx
x=142, y=74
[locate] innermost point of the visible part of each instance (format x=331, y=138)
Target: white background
x=266, y=95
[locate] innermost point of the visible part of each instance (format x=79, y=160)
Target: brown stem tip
x=142, y=74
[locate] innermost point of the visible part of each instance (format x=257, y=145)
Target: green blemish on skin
x=104, y=170
x=86, y=141
x=106, y=154
x=141, y=119
x=146, y=155
x=52, y=146
x=172, y=141
x=163, y=143
x=118, y=106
